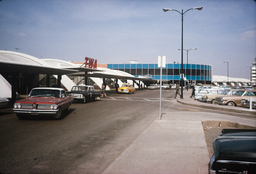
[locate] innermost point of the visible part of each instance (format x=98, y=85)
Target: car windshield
x=125, y=85
x=45, y=93
x=79, y=88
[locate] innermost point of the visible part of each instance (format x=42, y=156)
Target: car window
x=220, y=91
x=63, y=94
x=250, y=93
x=79, y=88
x=83, y=88
x=214, y=91
x=45, y=93
x=239, y=93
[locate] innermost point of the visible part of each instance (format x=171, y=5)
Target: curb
x=219, y=108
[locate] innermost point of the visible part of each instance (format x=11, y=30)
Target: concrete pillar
x=85, y=78
x=48, y=80
x=116, y=85
x=59, y=81
x=14, y=83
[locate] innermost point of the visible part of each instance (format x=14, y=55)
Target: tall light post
x=182, y=13
x=186, y=72
x=227, y=70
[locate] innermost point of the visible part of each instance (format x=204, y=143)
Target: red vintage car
x=43, y=100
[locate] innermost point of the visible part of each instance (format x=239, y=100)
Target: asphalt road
x=88, y=139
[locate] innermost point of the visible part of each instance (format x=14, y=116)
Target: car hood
x=40, y=100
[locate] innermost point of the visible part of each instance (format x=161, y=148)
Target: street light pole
x=182, y=13
x=186, y=72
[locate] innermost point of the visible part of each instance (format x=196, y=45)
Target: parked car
x=234, y=152
x=235, y=100
x=126, y=88
x=84, y=93
x=245, y=102
x=197, y=88
x=237, y=87
x=199, y=94
x=165, y=86
x=205, y=87
x=43, y=100
x=248, y=88
x=204, y=91
x=152, y=86
x=211, y=97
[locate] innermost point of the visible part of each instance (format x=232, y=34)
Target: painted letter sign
x=90, y=63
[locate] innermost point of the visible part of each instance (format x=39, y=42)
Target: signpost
x=161, y=63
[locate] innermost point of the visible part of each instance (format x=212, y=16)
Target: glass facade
x=192, y=72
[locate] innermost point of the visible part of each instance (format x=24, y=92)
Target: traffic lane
x=90, y=137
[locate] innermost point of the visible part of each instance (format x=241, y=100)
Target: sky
x=117, y=31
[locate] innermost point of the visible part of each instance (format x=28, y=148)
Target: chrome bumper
x=219, y=102
x=35, y=111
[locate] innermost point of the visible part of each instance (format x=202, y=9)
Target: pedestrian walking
x=193, y=90
x=177, y=89
x=103, y=87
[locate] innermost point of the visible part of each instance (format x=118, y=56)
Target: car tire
x=231, y=104
x=213, y=101
x=58, y=114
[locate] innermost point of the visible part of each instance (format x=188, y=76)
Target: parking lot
x=117, y=134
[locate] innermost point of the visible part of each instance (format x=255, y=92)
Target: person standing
x=177, y=89
x=193, y=90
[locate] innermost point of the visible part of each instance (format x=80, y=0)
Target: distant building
x=253, y=73
x=192, y=72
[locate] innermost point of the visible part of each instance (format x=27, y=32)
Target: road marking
x=146, y=99
x=136, y=99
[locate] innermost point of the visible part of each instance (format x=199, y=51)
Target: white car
x=152, y=86
x=200, y=94
x=165, y=86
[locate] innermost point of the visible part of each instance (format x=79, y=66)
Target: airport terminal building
x=192, y=72
x=20, y=72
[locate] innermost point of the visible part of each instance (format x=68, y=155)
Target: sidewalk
x=166, y=147
x=173, y=145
